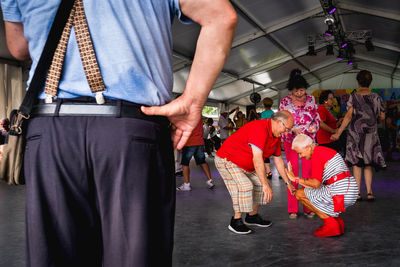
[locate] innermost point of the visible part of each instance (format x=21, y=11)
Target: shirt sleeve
x=322, y=113
x=11, y=11
x=350, y=102
x=177, y=9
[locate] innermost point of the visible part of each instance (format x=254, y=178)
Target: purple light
x=344, y=45
x=333, y=10
x=350, y=63
x=340, y=58
x=328, y=34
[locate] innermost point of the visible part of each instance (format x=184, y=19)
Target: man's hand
x=182, y=113
x=268, y=194
x=218, y=21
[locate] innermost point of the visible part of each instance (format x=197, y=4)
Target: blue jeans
x=193, y=151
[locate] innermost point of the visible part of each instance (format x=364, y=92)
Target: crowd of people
x=308, y=133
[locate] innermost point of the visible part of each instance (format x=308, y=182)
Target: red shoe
x=341, y=223
x=330, y=228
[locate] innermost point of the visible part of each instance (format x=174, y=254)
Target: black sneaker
x=256, y=220
x=238, y=227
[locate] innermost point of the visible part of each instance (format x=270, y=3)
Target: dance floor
x=202, y=237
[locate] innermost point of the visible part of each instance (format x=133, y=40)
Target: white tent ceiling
x=271, y=40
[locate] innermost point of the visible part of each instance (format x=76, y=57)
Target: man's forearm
x=213, y=45
x=280, y=166
x=260, y=170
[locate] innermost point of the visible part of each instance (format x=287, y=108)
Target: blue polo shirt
x=132, y=40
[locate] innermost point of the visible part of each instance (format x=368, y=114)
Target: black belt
x=87, y=107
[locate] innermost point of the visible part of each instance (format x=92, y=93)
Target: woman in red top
x=328, y=123
x=331, y=189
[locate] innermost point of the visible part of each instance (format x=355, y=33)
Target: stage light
x=369, y=45
x=311, y=51
x=330, y=31
x=329, y=50
x=329, y=20
x=341, y=54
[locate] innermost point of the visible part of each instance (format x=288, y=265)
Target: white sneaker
x=184, y=187
x=210, y=184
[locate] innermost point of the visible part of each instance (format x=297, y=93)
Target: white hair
x=301, y=141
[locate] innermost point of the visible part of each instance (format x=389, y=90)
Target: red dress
x=327, y=163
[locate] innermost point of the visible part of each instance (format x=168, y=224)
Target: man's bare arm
x=259, y=166
x=217, y=19
x=16, y=41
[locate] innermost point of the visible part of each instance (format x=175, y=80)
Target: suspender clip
x=100, y=98
x=48, y=99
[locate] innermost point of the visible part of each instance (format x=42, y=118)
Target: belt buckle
x=335, y=178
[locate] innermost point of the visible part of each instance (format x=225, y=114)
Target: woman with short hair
x=331, y=187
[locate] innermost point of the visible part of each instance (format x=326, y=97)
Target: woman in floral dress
x=304, y=109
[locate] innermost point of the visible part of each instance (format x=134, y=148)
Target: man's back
x=128, y=37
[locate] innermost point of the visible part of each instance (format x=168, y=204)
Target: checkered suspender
x=77, y=19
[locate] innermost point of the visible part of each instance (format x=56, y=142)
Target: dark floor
x=203, y=239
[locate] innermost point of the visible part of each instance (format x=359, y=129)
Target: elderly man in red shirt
x=240, y=161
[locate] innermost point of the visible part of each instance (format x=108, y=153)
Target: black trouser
x=100, y=191
x=216, y=142
x=208, y=146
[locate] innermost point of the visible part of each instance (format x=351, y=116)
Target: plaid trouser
x=244, y=187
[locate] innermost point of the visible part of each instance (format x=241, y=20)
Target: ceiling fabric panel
x=271, y=40
x=382, y=5
x=383, y=30
x=375, y=67
x=252, y=54
x=270, y=13
x=230, y=90
x=279, y=73
x=295, y=36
